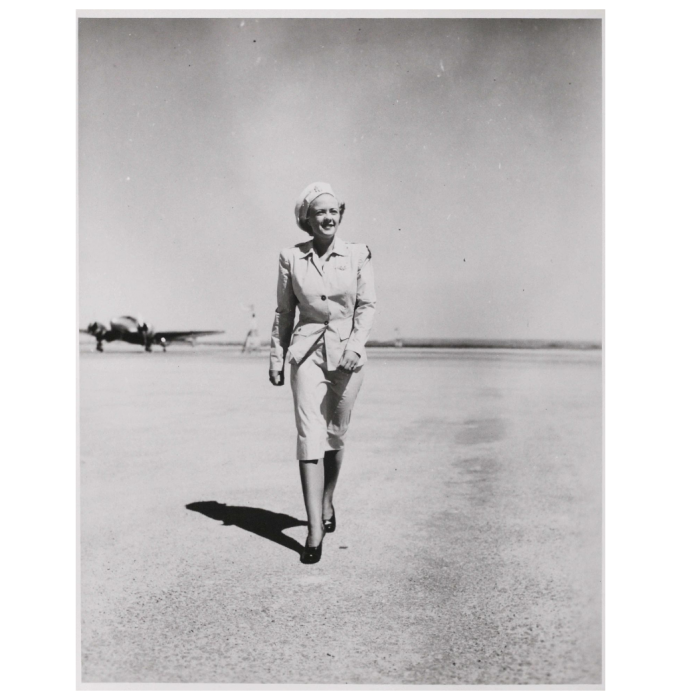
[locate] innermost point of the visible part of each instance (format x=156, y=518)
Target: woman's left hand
x=349, y=361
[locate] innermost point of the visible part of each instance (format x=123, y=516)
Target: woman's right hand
x=276, y=377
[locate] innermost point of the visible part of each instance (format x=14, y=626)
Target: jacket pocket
x=344, y=328
x=306, y=329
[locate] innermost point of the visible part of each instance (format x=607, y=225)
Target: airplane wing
x=172, y=336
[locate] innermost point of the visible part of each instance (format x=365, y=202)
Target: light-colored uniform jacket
x=336, y=302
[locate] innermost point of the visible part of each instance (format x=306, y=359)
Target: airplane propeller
x=98, y=330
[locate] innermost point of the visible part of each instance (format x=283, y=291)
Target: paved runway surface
x=468, y=548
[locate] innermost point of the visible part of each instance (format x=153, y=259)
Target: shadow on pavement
x=256, y=520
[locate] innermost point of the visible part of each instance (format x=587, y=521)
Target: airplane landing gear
x=100, y=347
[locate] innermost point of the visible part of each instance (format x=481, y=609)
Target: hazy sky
x=468, y=153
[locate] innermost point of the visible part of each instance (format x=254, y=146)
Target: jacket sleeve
x=284, y=316
x=365, y=306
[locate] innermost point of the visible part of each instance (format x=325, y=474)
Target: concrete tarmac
x=468, y=548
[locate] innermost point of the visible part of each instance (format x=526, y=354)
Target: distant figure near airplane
x=252, y=342
x=131, y=330
x=398, y=338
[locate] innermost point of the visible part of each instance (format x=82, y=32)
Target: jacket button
x=323, y=297
x=326, y=323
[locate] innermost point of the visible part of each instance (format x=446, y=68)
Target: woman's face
x=324, y=216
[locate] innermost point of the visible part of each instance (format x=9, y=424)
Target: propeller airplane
x=132, y=330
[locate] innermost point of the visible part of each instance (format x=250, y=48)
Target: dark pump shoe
x=311, y=555
x=330, y=524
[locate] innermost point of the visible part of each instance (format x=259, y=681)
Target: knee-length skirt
x=323, y=402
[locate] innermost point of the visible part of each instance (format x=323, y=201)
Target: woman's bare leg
x=312, y=479
x=332, y=464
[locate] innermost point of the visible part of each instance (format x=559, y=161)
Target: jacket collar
x=340, y=247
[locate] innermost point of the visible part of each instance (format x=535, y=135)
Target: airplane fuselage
x=125, y=325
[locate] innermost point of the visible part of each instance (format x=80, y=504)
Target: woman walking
x=332, y=284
